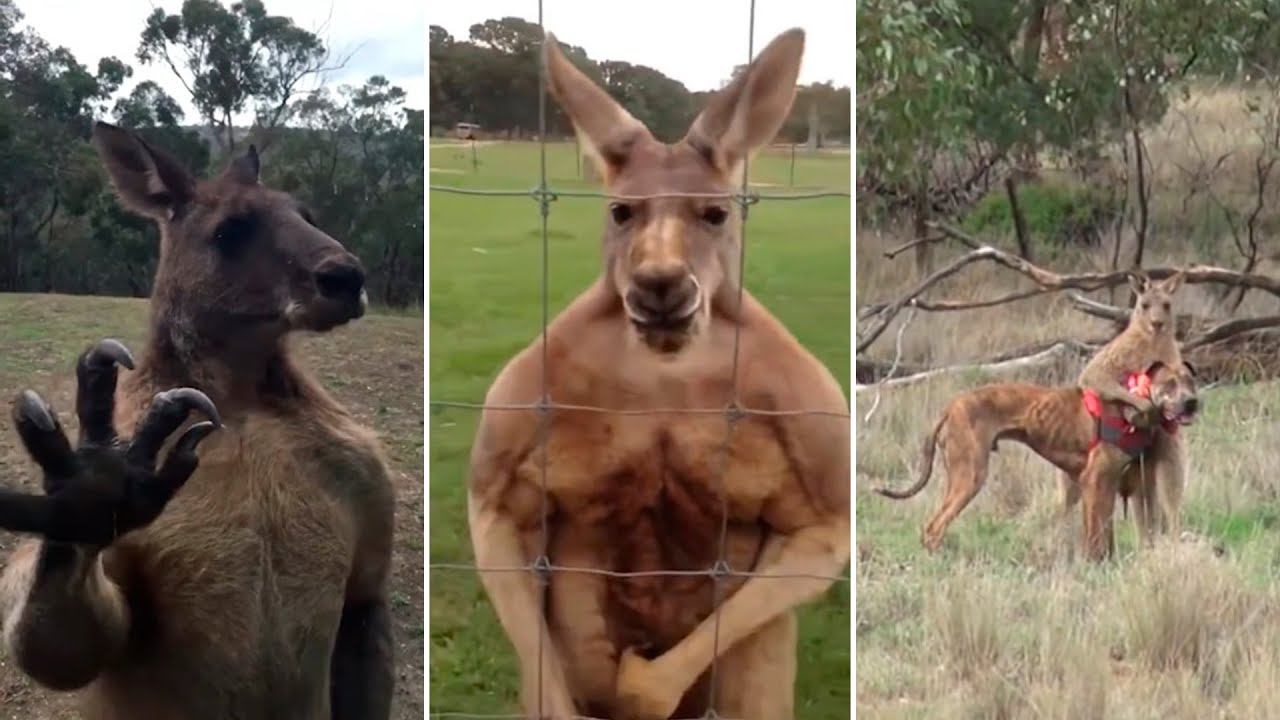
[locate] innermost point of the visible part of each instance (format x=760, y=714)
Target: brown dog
x=1057, y=424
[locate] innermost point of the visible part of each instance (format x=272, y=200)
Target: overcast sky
x=387, y=37
x=694, y=41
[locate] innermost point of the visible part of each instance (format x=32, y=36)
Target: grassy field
x=485, y=290
x=1006, y=621
x=373, y=366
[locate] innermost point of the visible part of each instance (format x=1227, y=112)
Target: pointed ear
x=1172, y=283
x=147, y=181
x=1154, y=368
x=1138, y=281
x=606, y=129
x=749, y=112
x=245, y=168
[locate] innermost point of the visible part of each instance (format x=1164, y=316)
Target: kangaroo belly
x=236, y=592
x=662, y=503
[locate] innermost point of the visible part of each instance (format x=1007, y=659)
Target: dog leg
x=966, y=465
x=1098, y=489
x=755, y=680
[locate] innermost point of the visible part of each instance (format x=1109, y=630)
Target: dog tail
x=926, y=465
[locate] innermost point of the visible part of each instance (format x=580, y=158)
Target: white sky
x=694, y=41
x=387, y=37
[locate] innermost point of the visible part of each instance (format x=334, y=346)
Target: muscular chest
x=676, y=473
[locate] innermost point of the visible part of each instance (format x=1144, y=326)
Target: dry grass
x=1006, y=621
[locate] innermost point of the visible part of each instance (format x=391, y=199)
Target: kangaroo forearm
x=64, y=618
x=363, y=671
x=796, y=569
x=516, y=599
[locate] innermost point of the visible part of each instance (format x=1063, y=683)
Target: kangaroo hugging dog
x=1064, y=425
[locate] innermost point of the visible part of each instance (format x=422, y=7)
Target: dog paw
x=643, y=693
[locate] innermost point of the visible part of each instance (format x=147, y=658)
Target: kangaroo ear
x=1174, y=281
x=747, y=113
x=1138, y=281
x=147, y=181
x=245, y=168
x=607, y=131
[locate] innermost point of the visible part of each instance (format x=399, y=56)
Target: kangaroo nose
x=662, y=293
x=340, y=279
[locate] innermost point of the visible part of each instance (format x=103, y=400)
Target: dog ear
x=1155, y=368
x=1190, y=368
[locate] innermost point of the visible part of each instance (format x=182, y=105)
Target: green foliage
x=234, y=58
x=492, y=79
x=1059, y=214
x=356, y=157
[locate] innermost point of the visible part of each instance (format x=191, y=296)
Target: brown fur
x=234, y=596
x=641, y=492
x=1149, y=338
x=1054, y=423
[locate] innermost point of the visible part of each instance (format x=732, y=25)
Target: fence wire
x=541, y=567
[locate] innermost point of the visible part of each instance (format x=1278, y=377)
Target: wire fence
x=542, y=567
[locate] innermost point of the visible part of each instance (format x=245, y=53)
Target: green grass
x=485, y=306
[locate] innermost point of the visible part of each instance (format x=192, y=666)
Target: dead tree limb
x=1019, y=222
x=1059, y=351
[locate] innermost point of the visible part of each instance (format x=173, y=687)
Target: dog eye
x=714, y=215
x=621, y=212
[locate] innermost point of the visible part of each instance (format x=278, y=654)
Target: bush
x=1058, y=215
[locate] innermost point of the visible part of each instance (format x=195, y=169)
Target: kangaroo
x=641, y=492
x=242, y=573
x=1149, y=338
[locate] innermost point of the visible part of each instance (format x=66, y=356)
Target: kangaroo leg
x=1167, y=460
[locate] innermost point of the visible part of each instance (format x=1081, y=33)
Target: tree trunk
x=920, y=228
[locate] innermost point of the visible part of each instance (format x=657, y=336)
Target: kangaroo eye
x=1146, y=306
x=1166, y=307
x=233, y=233
x=621, y=212
x=714, y=215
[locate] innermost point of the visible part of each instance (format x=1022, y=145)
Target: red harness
x=1117, y=431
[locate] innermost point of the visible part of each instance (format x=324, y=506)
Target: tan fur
x=1148, y=338
x=641, y=492
x=1054, y=423
x=229, y=603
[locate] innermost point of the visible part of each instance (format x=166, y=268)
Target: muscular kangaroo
x=246, y=576
x=642, y=491
x=1059, y=426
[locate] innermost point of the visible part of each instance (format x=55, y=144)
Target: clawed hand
x=104, y=487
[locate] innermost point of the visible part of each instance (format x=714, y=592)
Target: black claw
x=192, y=437
x=33, y=408
x=193, y=399
x=108, y=351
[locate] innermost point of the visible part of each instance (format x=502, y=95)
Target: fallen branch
x=881, y=315
x=1225, y=330
x=1057, y=352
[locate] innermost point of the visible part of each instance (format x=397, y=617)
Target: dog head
x=1173, y=391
